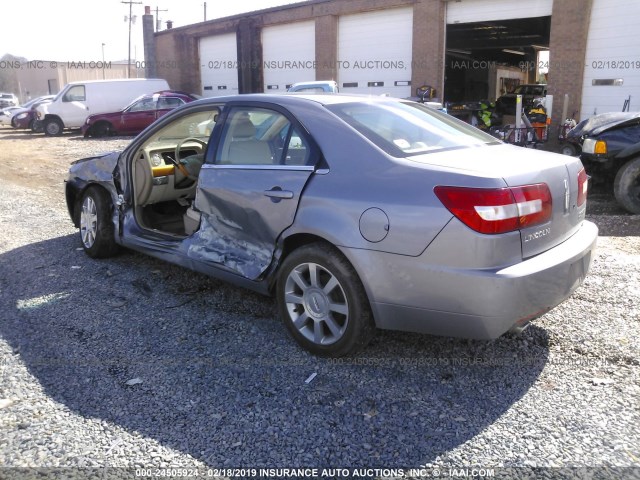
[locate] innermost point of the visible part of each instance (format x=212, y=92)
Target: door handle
x=277, y=192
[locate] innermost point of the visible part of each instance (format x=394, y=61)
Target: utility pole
x=205, y=11
x=130, y=3
x=103, y=44
x=158, y=23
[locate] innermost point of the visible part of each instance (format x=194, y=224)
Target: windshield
x=198, y=125
x=404, y=129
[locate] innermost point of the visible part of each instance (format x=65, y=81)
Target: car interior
x=165, y=171
x=166, y=167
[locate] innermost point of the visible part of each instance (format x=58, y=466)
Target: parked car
x=6, y=114
x=355, y=212
x=25, y=116
x=506, y=104
x=318, y=86
x=8, y=100
x=77, y=100
x=610, y=144
x=137, y=116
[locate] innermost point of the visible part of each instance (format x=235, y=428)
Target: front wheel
x=52, y=127
x=568, y=149
x=36, y=126
x=96, y=225
x=626, y=186
x=323, y=303
x=101, y=129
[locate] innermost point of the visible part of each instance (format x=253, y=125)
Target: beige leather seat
x=244, y=149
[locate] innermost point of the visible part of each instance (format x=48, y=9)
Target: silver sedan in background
x=357, y=213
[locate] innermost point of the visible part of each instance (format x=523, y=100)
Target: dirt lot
x=132, y=362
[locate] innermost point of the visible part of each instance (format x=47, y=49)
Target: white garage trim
x=219, y=65
x=612, y=57
x=289, y=55
x=467, y=11
x=374, y=52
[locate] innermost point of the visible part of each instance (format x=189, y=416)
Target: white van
x=77, y=100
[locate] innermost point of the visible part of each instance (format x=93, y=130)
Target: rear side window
x=405, y=129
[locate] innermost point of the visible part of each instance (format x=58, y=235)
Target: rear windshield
x=405, y=129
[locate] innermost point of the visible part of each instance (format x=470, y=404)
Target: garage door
x=612, y=64
x=219, y=65
x=467, y=11
x=288, y=53
x=374, y=52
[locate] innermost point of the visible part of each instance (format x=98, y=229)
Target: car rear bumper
x=409, y=294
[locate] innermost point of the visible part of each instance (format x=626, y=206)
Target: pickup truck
x=610, y=144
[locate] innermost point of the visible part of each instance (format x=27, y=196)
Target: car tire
x=101, y=129
x=97, y=232
x=36, y=127
x=626, y=186
x=322, y=302
x=568, y=149
x=52, y=127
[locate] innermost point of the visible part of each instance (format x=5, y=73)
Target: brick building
x=464, y=49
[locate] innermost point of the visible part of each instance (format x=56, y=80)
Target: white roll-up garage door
x=219, y=65
x=612, y=64
x=467, y=11
x=374, y=52
x=288, y=55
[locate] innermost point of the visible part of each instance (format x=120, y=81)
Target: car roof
x=315, y=82
x=293, y=98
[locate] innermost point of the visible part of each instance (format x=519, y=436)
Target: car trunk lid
x=517, y=167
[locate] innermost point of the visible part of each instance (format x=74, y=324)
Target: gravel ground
x=131, y=362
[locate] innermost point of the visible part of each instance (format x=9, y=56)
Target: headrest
x=243, y=128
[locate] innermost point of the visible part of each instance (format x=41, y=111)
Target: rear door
x=249, y=189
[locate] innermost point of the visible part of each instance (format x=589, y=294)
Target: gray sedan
x=357, y=213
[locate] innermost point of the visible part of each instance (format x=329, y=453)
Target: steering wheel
x=176, y=161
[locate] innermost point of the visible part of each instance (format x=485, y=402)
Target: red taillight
x=498, y=210
x=583, y=185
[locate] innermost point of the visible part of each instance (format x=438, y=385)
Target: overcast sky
x=76, y=29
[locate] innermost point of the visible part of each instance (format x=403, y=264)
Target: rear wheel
x=96, y=226
x=52, y=127
x=626, y=186
x=323, y=303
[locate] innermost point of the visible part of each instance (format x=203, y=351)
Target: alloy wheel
x=316, y=303
x=88, y=222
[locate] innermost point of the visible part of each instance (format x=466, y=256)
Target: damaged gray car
x=356, y=213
